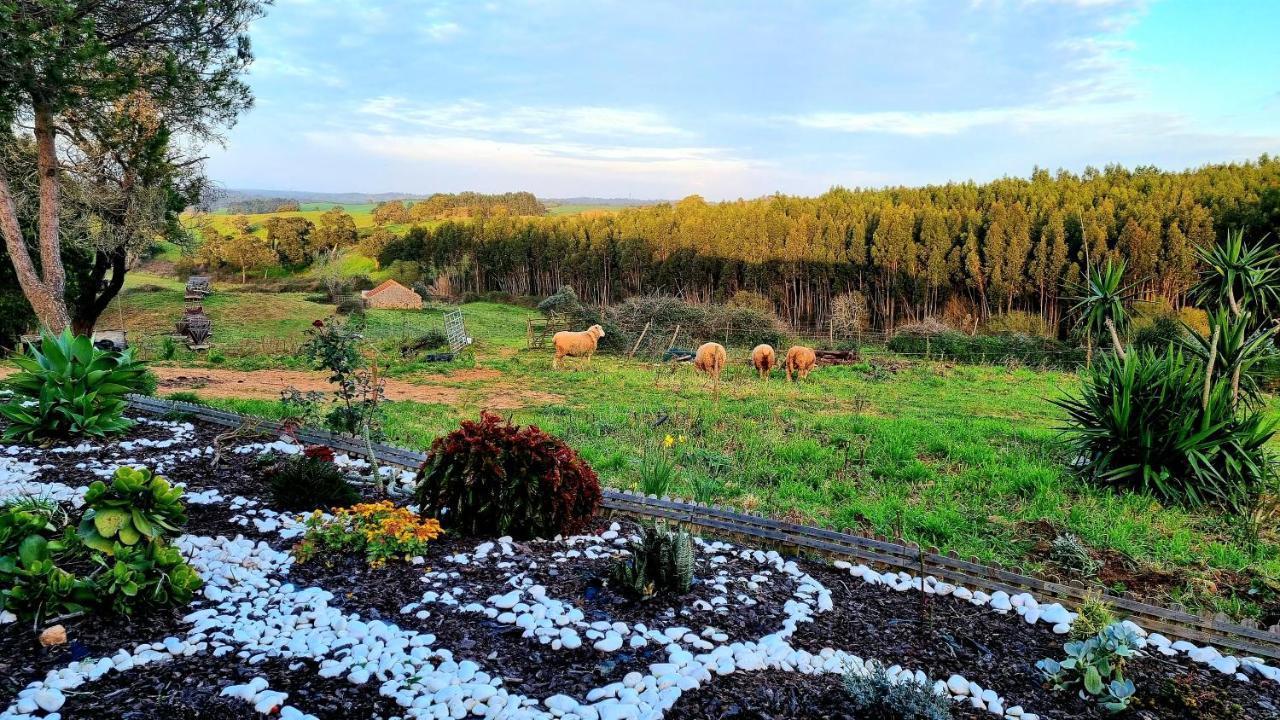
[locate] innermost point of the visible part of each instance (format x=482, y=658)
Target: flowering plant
x=381, y=530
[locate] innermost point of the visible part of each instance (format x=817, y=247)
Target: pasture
x=962, y=457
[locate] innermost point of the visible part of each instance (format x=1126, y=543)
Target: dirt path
x=267, y=384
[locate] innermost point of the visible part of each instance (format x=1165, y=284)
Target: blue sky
x=743, y=98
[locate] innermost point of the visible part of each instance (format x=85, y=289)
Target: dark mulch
x=780, y=696
x=946, y=636
x=23, y=660
x=188, y=688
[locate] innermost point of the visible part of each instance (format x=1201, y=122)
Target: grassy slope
x=965, y=458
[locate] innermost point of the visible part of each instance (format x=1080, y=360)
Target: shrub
x=743, y=327
x=147, y=383
x=661, y=563
x=67, y=388
x=1157, y=333
x=118, y=560
x=1139, y=424
x=350, y=306
x=1095, y=667
x=1018, y=322
x=493, y=478
x=429, y=340
x=984, y=349
x=563, y=302
x=380, y=530
x=168, y=348
x=874, y=694
x=751, y=301
x=309, y=481
x=1068, y=552
x=1092, y=617
x=849, y=313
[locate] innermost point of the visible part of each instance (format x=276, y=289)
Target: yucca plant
x=66, y=387
x=1102, y=302
x=1239, y=352
x=1144, y=422
x=1240, y=278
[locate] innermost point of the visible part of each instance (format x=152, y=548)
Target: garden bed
x=528, y=629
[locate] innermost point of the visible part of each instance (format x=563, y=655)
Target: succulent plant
x=134, y=506
x=662, y=562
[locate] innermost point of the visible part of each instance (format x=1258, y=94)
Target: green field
x=965, y=458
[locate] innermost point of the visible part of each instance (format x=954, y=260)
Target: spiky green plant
x=67, y=387
x=1239, y=353
x=661, y=563
x=1241, y=278
x=1142, y=422
x=1102, y=304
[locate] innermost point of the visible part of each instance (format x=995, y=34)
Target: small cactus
x=662, y=562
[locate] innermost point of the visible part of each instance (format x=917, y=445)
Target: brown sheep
x=574, y=344
x=800, y=360
x=711, y=359
x=763, y=359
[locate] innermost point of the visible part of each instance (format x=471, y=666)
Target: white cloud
x=281, y=67
x=468, y=116
x=560, y=165
x=954, y=122
x=442, y=30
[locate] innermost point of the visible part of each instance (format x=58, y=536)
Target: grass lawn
x=965, y=458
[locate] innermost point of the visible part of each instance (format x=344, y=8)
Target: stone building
x=391, y=295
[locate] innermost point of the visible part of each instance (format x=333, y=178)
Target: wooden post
x=674, y=335
x=528, y=333
x=640, y=339
x=831, y=330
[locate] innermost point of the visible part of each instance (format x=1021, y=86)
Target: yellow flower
x=668, y=441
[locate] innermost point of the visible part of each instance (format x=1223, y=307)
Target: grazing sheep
x=763, y=359
x=800, y=360
x=710, y=359
x=574, y=344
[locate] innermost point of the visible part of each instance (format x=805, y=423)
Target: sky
x=742, y=98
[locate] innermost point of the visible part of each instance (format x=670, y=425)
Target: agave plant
x=1102, y=304
x=1239, y=277
x=67, y=387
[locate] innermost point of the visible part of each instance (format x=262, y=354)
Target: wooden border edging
x=862, y=548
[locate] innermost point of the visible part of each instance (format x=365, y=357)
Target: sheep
x=763, y=359
x=711, y=359
x=569, y=343
x=800, y=360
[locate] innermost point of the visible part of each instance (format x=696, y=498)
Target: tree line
x=457, y=205
x=961, y=250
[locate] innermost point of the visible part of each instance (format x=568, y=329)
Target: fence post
x=831, y=329
x=928, y=354
x=640, y=339
x=528, y=333
x=674, y=335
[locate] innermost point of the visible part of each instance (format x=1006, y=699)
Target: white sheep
x=575, y=344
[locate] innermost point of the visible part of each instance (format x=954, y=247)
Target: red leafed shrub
x=491, y=478
x=320, y=452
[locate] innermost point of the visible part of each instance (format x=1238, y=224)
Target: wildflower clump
x=381, y=530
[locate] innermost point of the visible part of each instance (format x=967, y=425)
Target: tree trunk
x=49, y=306
x=94, y=297
x=55, y=279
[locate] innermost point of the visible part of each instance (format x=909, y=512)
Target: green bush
x=732, y=326
x=876, y=695
x=491, y=478
x=350, y=306
x=118, y=560
x=67, y=388
x=1018, y=322
x=1095, y=667
x=563, y=302
x=309, y=481
x=986, y=349
x=1158, y=333
x=1139, y=424
x=661, y=563
x=168, y=348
